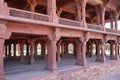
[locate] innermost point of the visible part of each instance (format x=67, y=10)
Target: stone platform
x=67, y=70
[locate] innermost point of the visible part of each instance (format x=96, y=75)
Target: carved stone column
x=84, y=39
x=35, y=48
x=43, y=48
x=116, y=51
x=78, y=52
x=32, y=8
x=83, y=5
x=102, y=11
x=2, y=77
x=9, y=54
x=103, y=59
x=58, y=51
x=32, y=59
x=111, y=20
x=111, y=51
x=98, y=47
x=14, y=50
x=27, y=49
x=98, y=15
x=62, y=49
x=21, y=51
x=78, y=10
x=51, y=46
x=66, y=48
x=116, y=21
x=32, y=4
x=2, y=40
x=91, y=50
x=83, y=55
x=51, y=9
x=6, y=50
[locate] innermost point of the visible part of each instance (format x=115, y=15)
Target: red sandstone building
x=54, y=24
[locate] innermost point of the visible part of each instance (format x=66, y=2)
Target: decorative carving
x=95, y=27
x=28, y=15
x=69, y=22
x=110, y=30
x=85, y=37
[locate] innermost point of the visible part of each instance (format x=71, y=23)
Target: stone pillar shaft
x=6, y=50
x=62, y=49
x=78, y=10
x=52, y=65
x=51, y=9
x=102, y=11
x=9, y=50
x=83, y=5
x=14, y=50
x=27, y=49
x=83, y=54
x=111, y=51
x=32, y=8
x=32, y=60
x=98, y=47
x=116, y=21
x=58, y=53
x=2, y=77
x=78, y=53
x=103, y=59
x=21, y=52
x=43, y=50
x=116, y=51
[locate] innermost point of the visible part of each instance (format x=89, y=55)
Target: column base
x=52, y=68
x=81, y=63
x=78, y=62
x=114, y=58
x=101, y=59
x=117, y=58
x=2, y=77
x=32, y=61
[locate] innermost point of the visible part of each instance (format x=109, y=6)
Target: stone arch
x=70, y=48
x=39, y=49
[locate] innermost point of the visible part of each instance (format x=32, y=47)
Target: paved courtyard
x=16, y=70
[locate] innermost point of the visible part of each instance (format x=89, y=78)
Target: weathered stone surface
x=96, y=72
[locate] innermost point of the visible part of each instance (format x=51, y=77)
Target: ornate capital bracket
x=33, y=2
x=31, y=41
x=118, y=39
x=55, y=34
x=105, y=38
x=85, y=37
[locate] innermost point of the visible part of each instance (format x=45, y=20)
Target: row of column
x=20, y=47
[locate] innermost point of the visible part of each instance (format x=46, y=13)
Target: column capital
x=85, y=37
x=33, y=2
x=105, y=38
x=84, y=1
x=31, y=41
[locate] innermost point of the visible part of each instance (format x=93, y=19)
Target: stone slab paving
x=115, y=76
x=23, y=71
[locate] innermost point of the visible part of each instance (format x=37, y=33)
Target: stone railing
x=69, y=22
x=92, y=26
x=28, y=15
x=110, y=30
